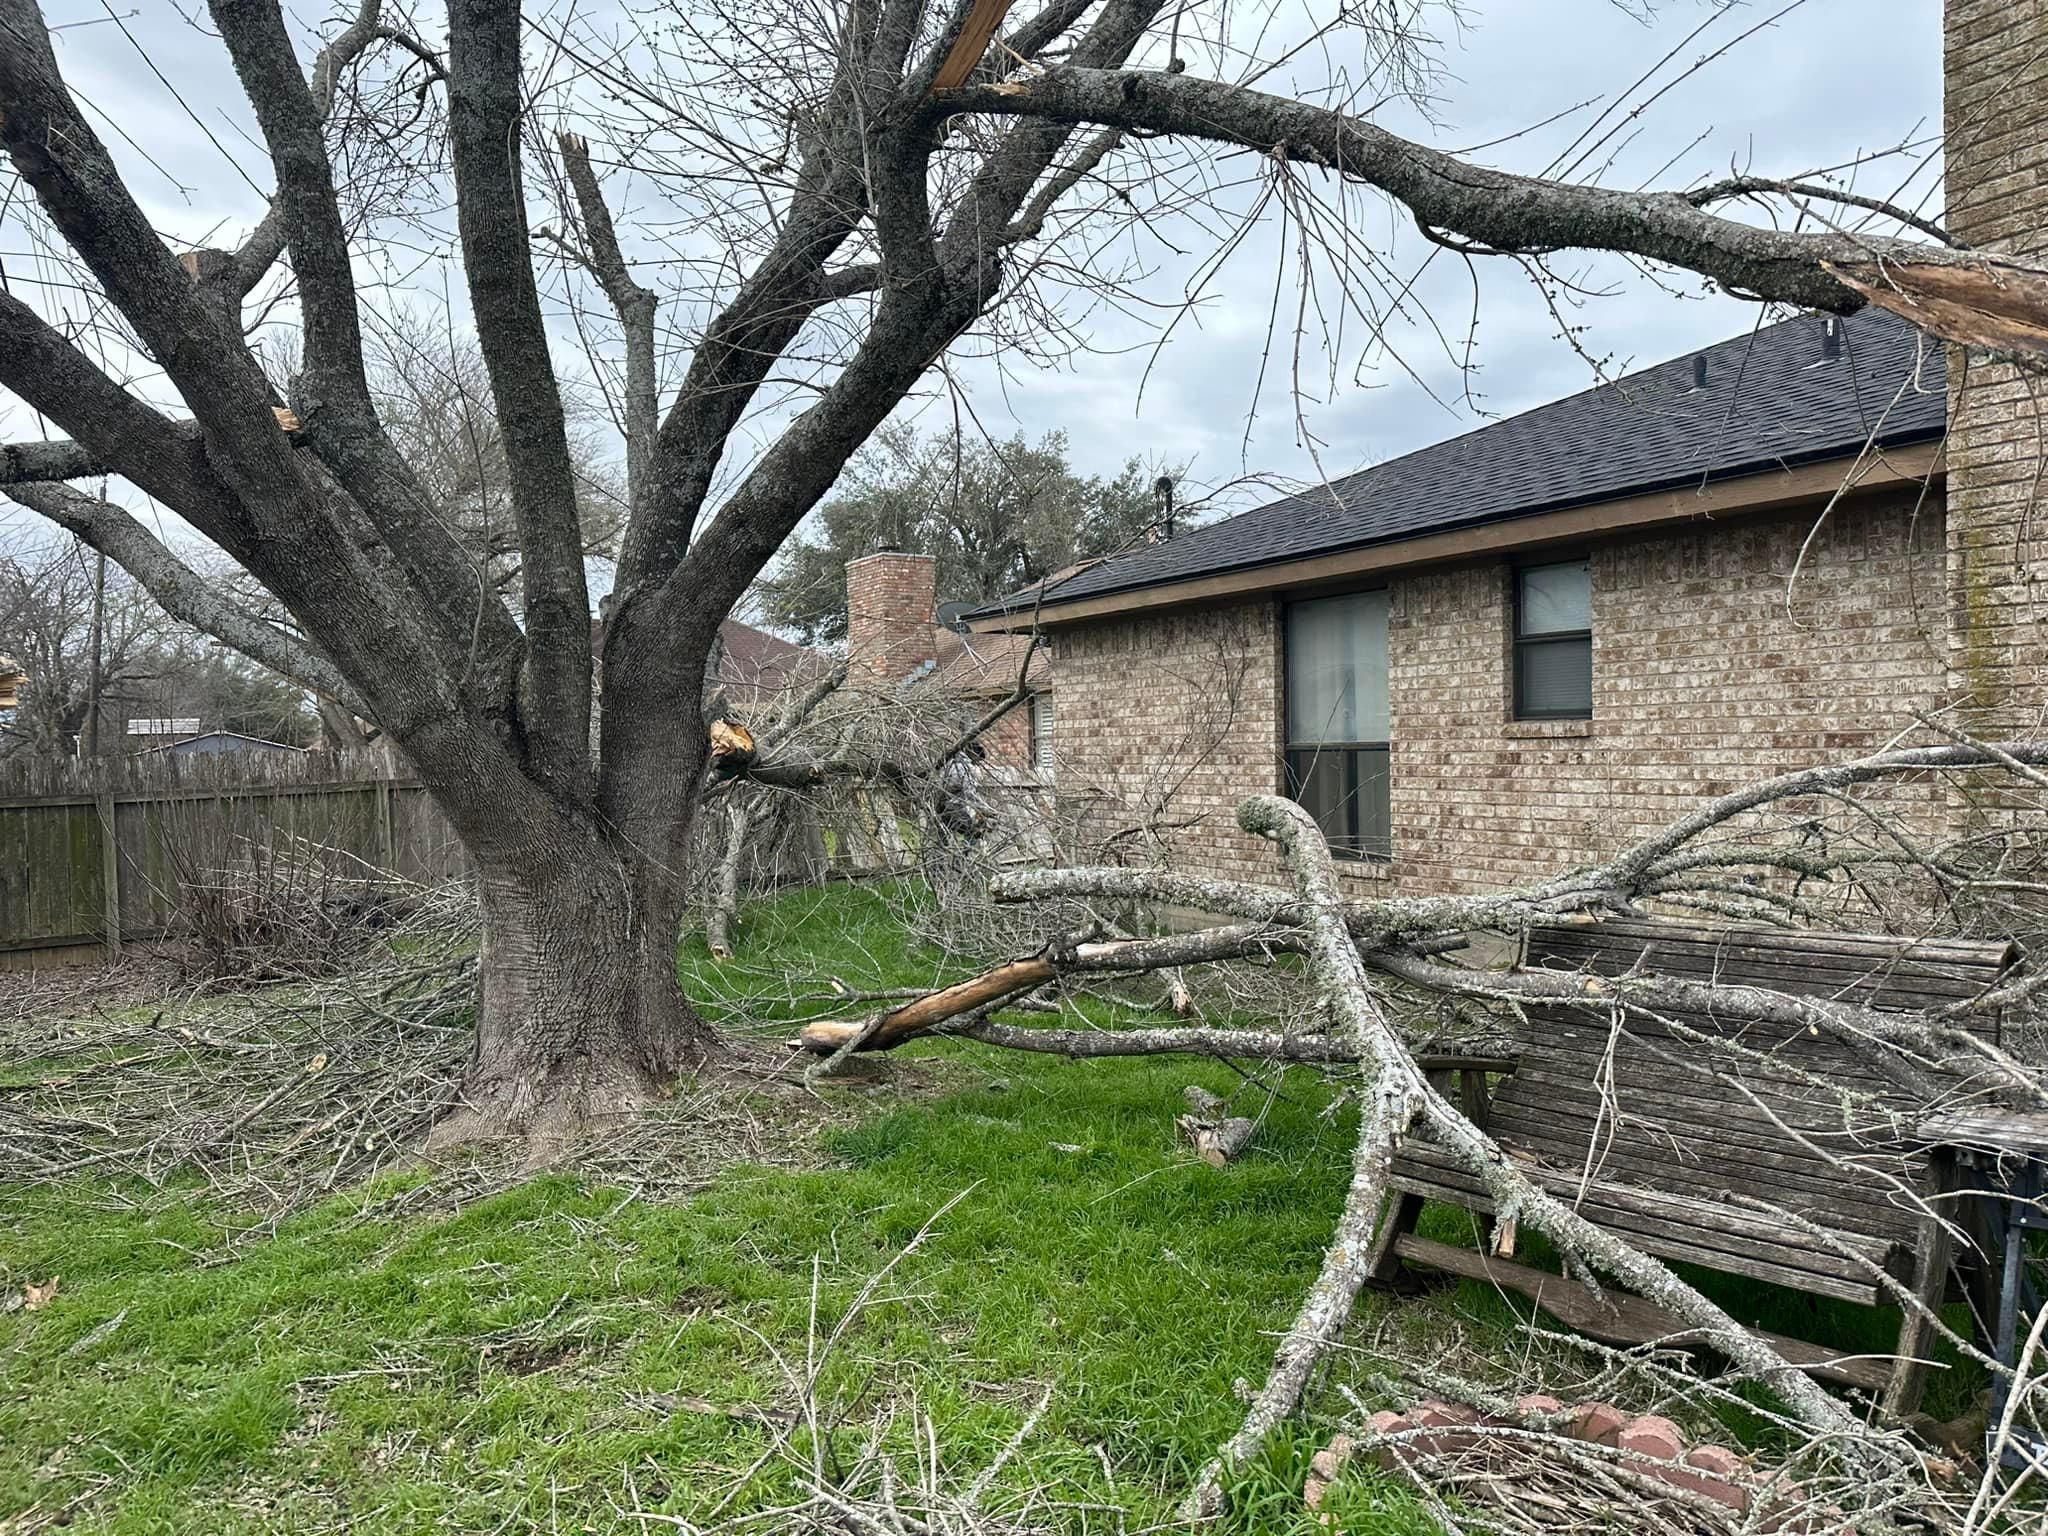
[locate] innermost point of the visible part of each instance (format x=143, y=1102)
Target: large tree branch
x=290, y=119
x=1964, y=296
x=1071, y=955
x=331, y=393
x=484, y=111
x=112, y=431
x=39, y=463
x=183, y=592
x=1400, y=1094
x=1914, y=1052
x=635, y=307
x=1172, y=1040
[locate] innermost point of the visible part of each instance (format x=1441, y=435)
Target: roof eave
x=1909, y=459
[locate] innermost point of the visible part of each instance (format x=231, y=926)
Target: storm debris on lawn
x=276, y=1097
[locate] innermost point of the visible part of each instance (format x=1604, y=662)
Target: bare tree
x=860, y=193
x=47, y=620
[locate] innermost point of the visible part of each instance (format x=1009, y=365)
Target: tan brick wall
x=1996, y=111
x=1167, y=723
x=1008, y=742
x=1702, y=681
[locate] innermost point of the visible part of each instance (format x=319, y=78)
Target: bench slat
x=1712, y=1181
x=1674, y=1227
x=1821, y=965
x=1767, y=1233
x=1991, y=954
x=1652, y=1057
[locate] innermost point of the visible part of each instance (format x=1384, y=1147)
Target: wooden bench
x=1630, y=1124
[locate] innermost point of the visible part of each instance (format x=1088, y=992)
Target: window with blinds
x=1041, y=733
x=1554, y=641
x=1337, y=720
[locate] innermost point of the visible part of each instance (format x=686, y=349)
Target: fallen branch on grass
x=1357, y=949
x=1014, y=978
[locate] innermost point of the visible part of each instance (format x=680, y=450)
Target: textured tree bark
x=581, y=1018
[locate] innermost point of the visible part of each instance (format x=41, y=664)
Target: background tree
x=843, y=199
x=999, y=516
x=46, y=623
x=195, y=677
x=151, y=666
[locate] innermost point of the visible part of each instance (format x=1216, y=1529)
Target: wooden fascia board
x=1776, y=491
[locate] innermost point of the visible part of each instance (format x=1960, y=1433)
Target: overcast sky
x=1824, y=84
x=1833, y=80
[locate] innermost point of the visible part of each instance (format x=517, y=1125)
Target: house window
x=1337, y=722
x=1041, y=733
x=1554, y=641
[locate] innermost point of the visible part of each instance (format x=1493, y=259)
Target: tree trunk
x=581, y=1019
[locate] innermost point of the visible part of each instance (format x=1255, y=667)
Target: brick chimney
x=890, y=602
x=1995, y=110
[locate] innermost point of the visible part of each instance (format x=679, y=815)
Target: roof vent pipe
x=1830, y=337
x=1699, y=371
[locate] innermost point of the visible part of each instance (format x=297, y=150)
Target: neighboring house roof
x=219, y=741
x=1771, y=400
x=754, y=658
x=976, y=666
x=750, y=657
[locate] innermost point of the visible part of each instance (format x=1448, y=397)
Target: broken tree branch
x=1015, y=977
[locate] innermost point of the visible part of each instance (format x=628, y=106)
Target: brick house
x=895, y=639
x=1521, y=648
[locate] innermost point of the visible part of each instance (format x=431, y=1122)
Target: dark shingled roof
x=1770, y=401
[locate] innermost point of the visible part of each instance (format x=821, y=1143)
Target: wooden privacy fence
x=94, y=855
x=98, y=854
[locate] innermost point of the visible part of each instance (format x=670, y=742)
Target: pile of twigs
x=273, y=1097
x=1507, y=1468
x=296, y=1087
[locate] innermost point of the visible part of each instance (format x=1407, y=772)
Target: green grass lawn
x=565, y=1355
x=553, y=1355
